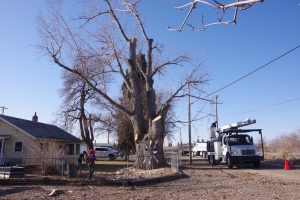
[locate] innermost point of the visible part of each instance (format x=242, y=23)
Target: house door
x=2, y=144
x=1, y=154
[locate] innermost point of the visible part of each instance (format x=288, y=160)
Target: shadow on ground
x=14, y=190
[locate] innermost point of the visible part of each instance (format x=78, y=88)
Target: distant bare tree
x=116, y=48
x=105, y=123
x=219, y=5
x=78, y=96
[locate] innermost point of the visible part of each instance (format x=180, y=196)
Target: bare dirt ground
x=203, y=182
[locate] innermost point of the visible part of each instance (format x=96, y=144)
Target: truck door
x=225, y=145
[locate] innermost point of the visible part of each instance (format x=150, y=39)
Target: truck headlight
x=234, y=153
x=258, y=153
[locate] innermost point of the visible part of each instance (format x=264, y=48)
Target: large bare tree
x=71, y=44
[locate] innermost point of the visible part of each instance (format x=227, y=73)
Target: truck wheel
x=256, y=164
x=229, y=162
x=212, y=160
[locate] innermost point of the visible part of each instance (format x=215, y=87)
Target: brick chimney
x=35, y=118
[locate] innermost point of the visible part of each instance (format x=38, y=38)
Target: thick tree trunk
x=138, y=117
x=85, y=124
x=160, y=151
x=150, y=154
x=85, y=137
x=148, y=128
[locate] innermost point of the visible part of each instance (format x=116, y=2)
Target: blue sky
x=30, y=83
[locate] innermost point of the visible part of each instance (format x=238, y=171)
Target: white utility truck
x=232, y=145
x=200, y=149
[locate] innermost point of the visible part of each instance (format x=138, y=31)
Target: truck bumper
x=246, y=159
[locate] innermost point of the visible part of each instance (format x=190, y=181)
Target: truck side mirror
x=251, y=140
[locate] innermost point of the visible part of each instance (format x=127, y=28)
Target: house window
x=69, y=149
x=77, y=149
x=18, y=146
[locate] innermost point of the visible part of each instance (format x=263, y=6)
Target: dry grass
x=287, y=146
x=114, y=162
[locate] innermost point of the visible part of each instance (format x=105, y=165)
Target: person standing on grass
x=85, y=155
x=91, y=162
x=79, y=162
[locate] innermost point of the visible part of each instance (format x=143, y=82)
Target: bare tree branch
x=119, y=26
x=192, y=79
x=125, y=79
x=88, y=19
x=237, y=5
x=132, y=8
x=104, y=95
x=176, y=61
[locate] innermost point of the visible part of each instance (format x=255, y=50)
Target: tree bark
x=85, y=137
x=138, y=118
x=85, y=124
x=150, y=153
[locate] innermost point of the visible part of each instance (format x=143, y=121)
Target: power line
x=255, y=70
x=270, y=106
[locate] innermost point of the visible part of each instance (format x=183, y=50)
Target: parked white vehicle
x=105, y=152
x=200, y=149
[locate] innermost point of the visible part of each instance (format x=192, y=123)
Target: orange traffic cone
x=286, y=165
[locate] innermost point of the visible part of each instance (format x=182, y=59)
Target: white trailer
x=200, y=149
x=232, y=145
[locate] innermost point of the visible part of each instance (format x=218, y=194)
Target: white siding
x=15, y=136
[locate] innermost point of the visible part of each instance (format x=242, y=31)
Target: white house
x=22, y=140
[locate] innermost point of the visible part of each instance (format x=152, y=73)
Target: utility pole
x=3, y=108
x=108, y=133
x=216, y=109
x=189, y=116
x=180, y=139
x=217, y=120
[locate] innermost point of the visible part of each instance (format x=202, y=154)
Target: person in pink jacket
x=90, y=160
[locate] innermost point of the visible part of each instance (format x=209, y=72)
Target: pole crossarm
x=3, y=108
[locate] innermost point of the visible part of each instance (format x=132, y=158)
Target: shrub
x=47, y=155
x=286, y=146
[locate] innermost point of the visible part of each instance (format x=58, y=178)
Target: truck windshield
x=239, y=140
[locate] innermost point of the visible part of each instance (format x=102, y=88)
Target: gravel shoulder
x=283, y=175
x=203, y=182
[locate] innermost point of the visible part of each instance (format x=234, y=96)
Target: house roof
x=40, y=130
